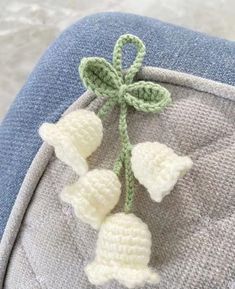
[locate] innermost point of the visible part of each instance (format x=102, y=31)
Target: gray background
x=28, y=26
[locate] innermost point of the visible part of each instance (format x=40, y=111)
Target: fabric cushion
x=54, y=83
x=192, y=228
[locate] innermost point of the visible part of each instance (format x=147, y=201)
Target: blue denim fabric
x=54, y=84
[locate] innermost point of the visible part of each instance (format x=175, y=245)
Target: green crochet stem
x=109, y=81
x=126, y=151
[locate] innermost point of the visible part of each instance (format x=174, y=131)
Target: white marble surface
x=28, y=26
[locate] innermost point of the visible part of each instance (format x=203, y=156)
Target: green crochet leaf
x=99, y=76
x=147, y=96
x=109, y=80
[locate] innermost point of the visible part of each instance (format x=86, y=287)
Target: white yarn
x=123, y=252
x=93, y=196
x=158, y=168
x=74, y=137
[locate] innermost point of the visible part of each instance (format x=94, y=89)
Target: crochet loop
x=121, y=93
x=117, y=56
x=106, y=80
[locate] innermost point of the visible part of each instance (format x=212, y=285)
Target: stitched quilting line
x=70, y=229
x=53, y=180
x=31, y=267
x=67, y=218
x=74, y=220
x=37, y=279
x=38, y=227
x=32, y=193
x=8, y=241
x=212, y=142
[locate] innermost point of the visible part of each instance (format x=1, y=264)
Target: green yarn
x=117, y=57
x=106, y=80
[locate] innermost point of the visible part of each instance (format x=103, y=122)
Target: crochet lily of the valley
x=124, y=240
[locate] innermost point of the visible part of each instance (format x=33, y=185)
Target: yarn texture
x=123, y=252
x=74, y=137
x=124, y=241
x=104, y=79
x=93, y=196
x=158, y=168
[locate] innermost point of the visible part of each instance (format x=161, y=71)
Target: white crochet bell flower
x=93, y=196
x=158, y=167
x=123, y=252
x=75, y=137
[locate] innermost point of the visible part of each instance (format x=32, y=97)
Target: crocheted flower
x=123, y=252
x=158, y=168
x=74, y=137
x=93, y=196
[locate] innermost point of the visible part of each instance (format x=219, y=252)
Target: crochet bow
x=108, y=80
